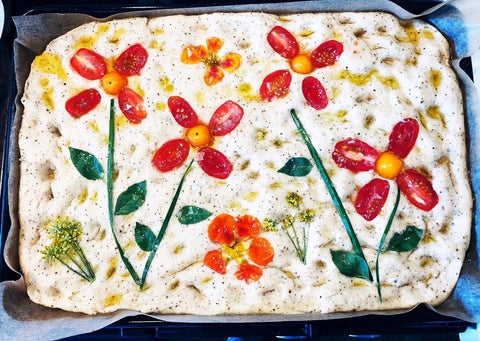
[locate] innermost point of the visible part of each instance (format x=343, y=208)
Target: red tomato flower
x=277, y=84
x=358, y=156
x=240, y=241
x=208, y=56
x=199, y=136
x=92, y=66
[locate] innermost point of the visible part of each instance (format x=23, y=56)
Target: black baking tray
x=419, y=324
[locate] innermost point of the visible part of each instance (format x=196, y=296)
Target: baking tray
x=419, y=320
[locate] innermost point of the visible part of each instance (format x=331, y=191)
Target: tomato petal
x=83, y=102
x=231, y=62
x=213, y=75
x=132, y=60
x=276, y=85
x=182, y=112
x=132, y=105
x=214, y=44
x=222, y=230
x=248, y=227
x=326, y=54
x=171, y=154
x=418, y=189
x=193, y=54
x=403, y=137
x=225, y=119
x=314, y=93
x=214, y=163
x=260, y=251
x=88, y=64
x=215, y=261
x=283, y=42
x=248, y=273
x=354, y=155
x=371, y=198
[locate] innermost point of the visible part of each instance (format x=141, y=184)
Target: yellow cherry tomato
x=301, y=64
x=199, y=136
x=388, y=165
x=113, y=82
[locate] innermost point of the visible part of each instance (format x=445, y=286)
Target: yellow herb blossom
x=294, y=200
x=270, y=225
x=306, y=216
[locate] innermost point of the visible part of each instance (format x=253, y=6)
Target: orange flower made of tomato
x=358, y=156
x=240, y=241
x=209, y=56
x=199, y=136
x=92, y=66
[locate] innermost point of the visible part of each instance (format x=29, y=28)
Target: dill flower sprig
x=65, y=234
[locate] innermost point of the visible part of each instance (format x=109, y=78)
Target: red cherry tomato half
x=248, y=273
x=354, y=155
x=222, y=229
x=88, y=64
x=276, y=85
x=403, y=137
x=248, y=227
x=132, y=60
x=132, y=105
x=214, y=163
x=371, y=198
x=326, y=53
x=225, y=118
x=314, y=93
x=260, y=251
x=215, y=261
x=283, y=42
x=182, y=112
x=171, y=154
x=418, y=189
x=83, y=102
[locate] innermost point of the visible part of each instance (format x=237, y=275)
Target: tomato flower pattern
x=277, y=84
x=199, y=136
x=358, y=156
x=92, y=66
x=208, y=56
x=240, y=241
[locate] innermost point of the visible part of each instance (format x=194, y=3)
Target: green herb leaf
x=351, y=265
x=131, y=199
x=188, y=215
x=297, y=166
x=144, y=237
x=405, y=241
x=86, y=164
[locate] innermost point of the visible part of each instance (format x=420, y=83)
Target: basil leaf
x=188, y=215
x=86, y=164
x=350, y=264
x=297, y=166
x=144, y=237
x=131, y=199
x=405, y=241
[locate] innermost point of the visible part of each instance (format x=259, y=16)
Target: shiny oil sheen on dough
x=178, y=282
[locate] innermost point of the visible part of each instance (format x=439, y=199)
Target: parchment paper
x=20, y=318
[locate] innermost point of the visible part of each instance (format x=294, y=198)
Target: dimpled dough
x=413, y=53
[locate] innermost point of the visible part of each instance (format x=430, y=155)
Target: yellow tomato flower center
x=388, y=165
x=301, y=64
x=113, y=82
x=199, y=136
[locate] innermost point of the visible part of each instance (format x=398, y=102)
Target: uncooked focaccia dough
x=414, y=54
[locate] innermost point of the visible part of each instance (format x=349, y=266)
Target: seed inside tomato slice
x=354, y=155
x=276, y=85
x=225, y=118
x=418, y=189
x=132, y=105
x=314, y=93
x=132, y=60
x=215, y=261
x=171, y=154
x=214, y=163
x=182, y=112
x=283, y=42
x=88, y=64
x=83, y=102
x=326, y=53
x=371, y=198
x=403, y=137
